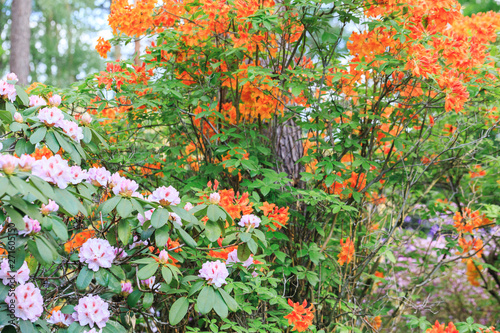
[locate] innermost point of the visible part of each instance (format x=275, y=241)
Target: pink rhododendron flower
x=175, y=218
x=214, y=198
x=98, y=176
x=91, y=310
x=71, y=129
x=30, y=226
x=114, y=180
x=215, y=272
x=53, y=170
x=127, y=287
x=125, y=188
x=97, y=253
x=77, y=174
x=50, y=116
x=8, y=90
x=28, y=302
x=21, y=276
x=60, y=319
x=18, y=117
x=55, y=100
x=120, y=253
x=36, y=100
x=150, y=283
x=86, y=119
x=188, y=206
x=163, y=257
x=12, y=77
x=249, y=220
x=49, y=208
x=232, y=257
x=25, y=162
x=146, y=217
x=165, y=196
x=137, y=242
x=8, y=163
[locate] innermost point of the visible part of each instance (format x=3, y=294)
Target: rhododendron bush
x=323, y=166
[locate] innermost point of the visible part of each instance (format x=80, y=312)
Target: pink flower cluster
x=50, y=207
x=60, y=319
x=52, y=116
x=8, y=90
x=56, y=170
x=125, y=187
x=97, y=253
x=28, y=302
x=127, y=287
x=91, y=310
x=21, y=276
x=36, y=100
x=249, y=220
x=165, y=196
x=31, y=226
x=215, y=272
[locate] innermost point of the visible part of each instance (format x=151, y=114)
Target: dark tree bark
x=20, y=35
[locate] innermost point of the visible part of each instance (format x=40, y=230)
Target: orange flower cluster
x=475, y=245
x=473, y=273
x=223, y=253
x=375, y=322
x=301, y=316
x=103, y=47
x=442, y=328
x=235, y=204
x=347, y=251
x=39, y=153
x=77, y=240
x=469, y=221
x=131, y=19
x=278, y=216
x=118, y=75
x=478, y=172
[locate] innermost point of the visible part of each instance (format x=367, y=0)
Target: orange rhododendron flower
x=77, y=240
x=375, y=322
x=301, y=317
x=347, y=252
x=103, y=47
x=442, y=328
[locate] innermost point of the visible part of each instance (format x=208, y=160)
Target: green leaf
x=113, y=327
x=84, y=278
x=23, y=96
x=220, y=306
x=178, y=310
x=124, y=208
x=230, y=302
x=212, y=230
x=25, y=325
x=161, y=235
x=243, y=252
x=46, y=252
x=167, y=274
x=148, y=300
x=51, y=142
x=160, y=217
x=214, y=213
x=68, y=201
x=109, y=205
x=60, y=230
x=124, y=231
x=147, y=271
x=187, y=238
x=206, y=300
x=134, y=297
x=38, y=135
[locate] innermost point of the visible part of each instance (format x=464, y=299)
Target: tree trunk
x=287, y=140
x=20, y=39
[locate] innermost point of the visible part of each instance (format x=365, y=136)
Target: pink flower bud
x=214, y=198
x=86, y=119
x=55, y=100
x=18, y=117
x=50, y=207
x=163, y=257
